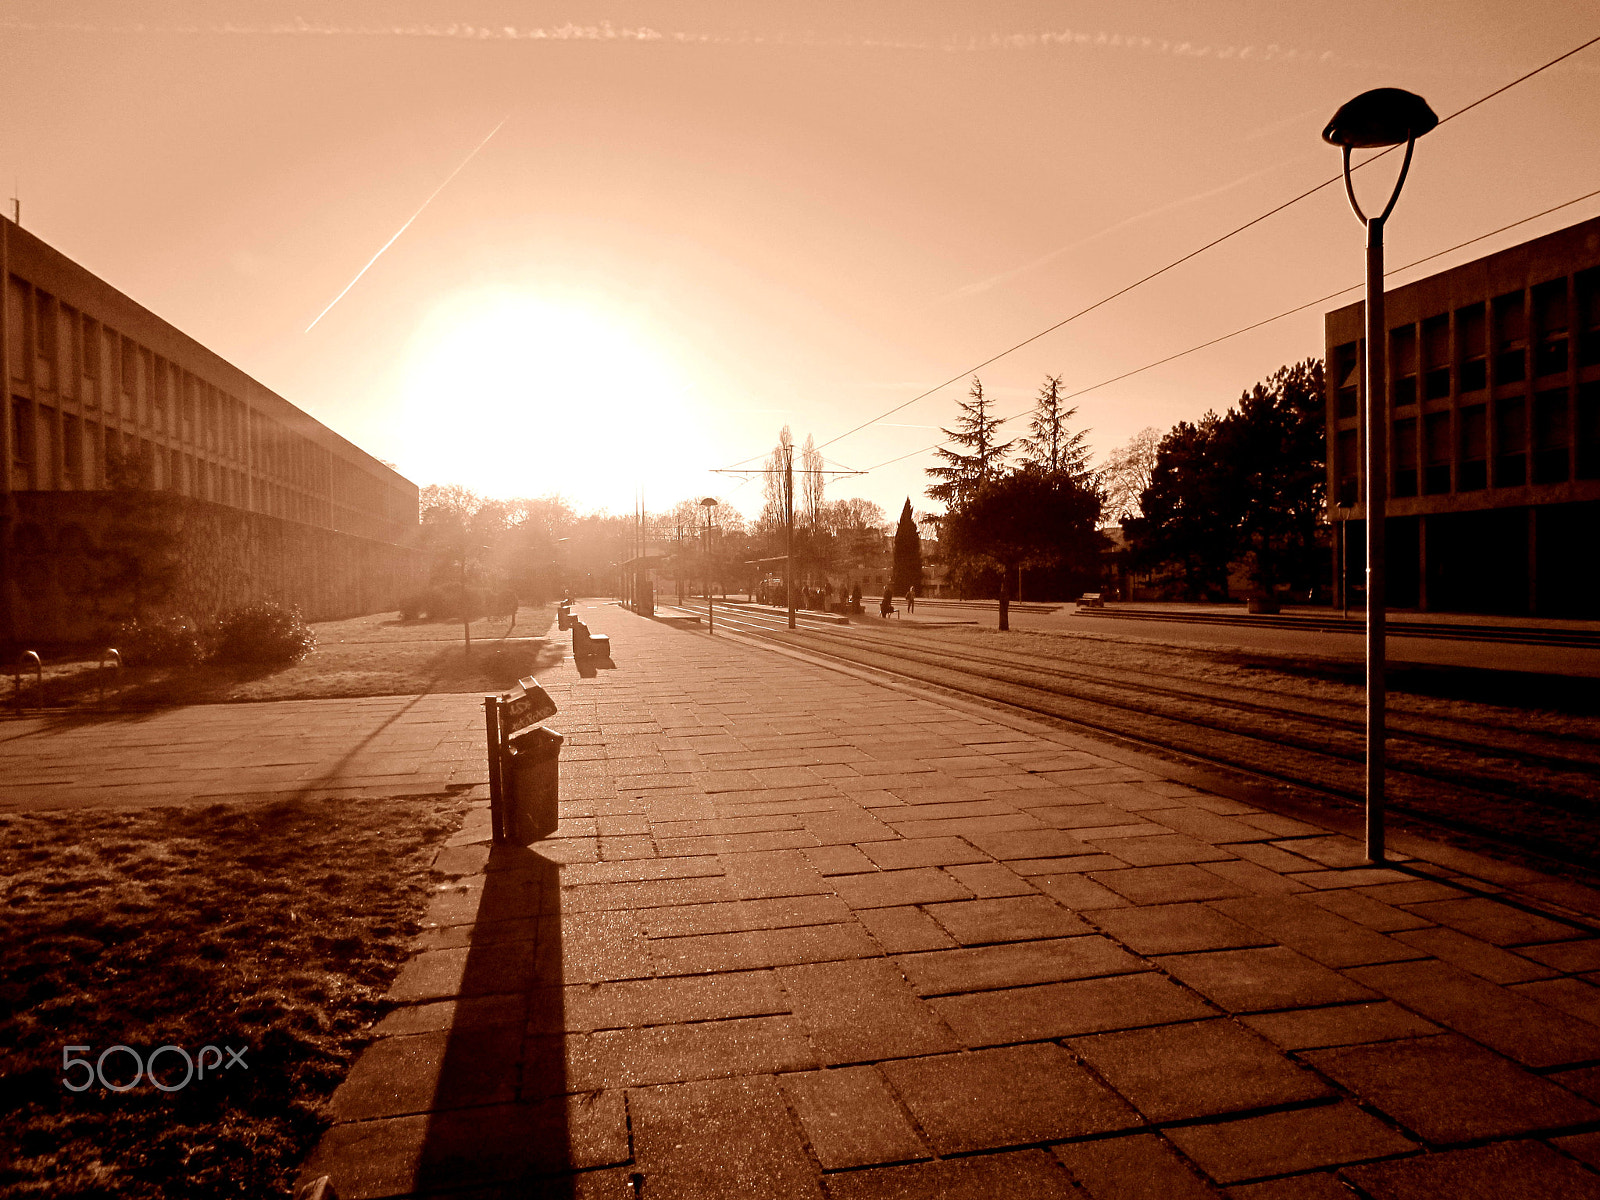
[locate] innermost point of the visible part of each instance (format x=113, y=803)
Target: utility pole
x=788, y=535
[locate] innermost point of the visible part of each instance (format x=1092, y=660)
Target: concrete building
x=112, y=415
x=1494, y=436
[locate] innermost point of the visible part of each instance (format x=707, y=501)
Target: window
x=1552, y=437
x=71, y=452
x=1403, y=366
x=1436, y=443
x=21, y=442
x=1511, y=442
x=1589, y=431
x=1471, y=348
x=1349, y=460
x=1347, y=378
x=17, y=326
x=1588, y=290
x=1510, y=339
x=1405, y=457
x=1550, y=328
x=1436, y=357
x=92, y=476
x=1473, y=474
x=44, y=334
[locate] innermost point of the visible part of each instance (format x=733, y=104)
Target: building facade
x=1493, y=379
x=113, y=415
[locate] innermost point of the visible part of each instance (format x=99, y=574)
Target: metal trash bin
x=564, y=617
x=533, y=778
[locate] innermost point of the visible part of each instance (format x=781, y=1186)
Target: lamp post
x=709, y=503
x=1381, y=117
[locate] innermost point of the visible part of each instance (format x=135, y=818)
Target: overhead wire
x=1177, y=262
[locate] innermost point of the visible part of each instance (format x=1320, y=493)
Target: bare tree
x=1126, y=474
x=811, y=483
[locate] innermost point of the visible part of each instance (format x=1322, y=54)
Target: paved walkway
x=804, y=935
x=211, y=753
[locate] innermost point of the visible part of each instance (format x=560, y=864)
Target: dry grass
x=375, y=655
x=276, y=926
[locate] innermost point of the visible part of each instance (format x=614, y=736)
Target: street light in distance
x=709, y=503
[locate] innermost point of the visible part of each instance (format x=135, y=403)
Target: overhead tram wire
x=1288, y=312
x=1177, y=262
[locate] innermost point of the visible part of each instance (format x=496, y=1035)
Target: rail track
x=1479, y=774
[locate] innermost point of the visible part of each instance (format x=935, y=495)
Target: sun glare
x=513, y=394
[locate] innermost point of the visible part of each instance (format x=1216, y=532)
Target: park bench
x=524, y=763
x=586, y=645
x=1092, y=600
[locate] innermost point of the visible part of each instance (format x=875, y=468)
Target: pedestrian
x=911, y=598
x=886, y=605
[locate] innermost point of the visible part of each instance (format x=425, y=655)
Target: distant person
x=911, y=599
x=886, y=605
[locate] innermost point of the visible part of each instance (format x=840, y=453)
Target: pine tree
x=962, y=473
x=906, y=571
x=1051, y=446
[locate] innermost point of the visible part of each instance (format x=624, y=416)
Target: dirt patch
x=276, y=927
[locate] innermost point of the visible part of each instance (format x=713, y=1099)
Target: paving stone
x=771, y=873
x=1348, y=877
x=474, y=1012
x=1161, y=850
x=989, y=1099
x=989, y=879
x=1585, y=1147
x=1318, y=934
x=1167, y=885
x=1205, y=1069
x=1006, y=919
x=731, y=916
x=885, y=889
x=1139, y=1166
x=654, y=893
x=600, y=946
x=1270, y=857
x=1331, y=850
x=1580, y=999
x=1206, y=826
x=901, y=930
x=863, y=1012
x=922, y=852
x=1413, y=891
x=636, y=871
x=1493, y=922
x=702, y=1050
x=1374, y=914
x=1470, y=954
x=1030, y=1173
x=729, y=1137
x=1029, y=843
x=669, y=1001
x=1250, y=879
x=1281, y=1143
x=755, y=949
x=1446, y=1089
x=1076, y=816
x=848, y=828
x=1174, y=929
x=1341, y=1025
x=454, y=1069
x=1057, y=1010
x=1317, y=1186
x=1566, y=956
x=1510, y=1171
x=1256, y=980
x=1515, y=1025
x=967, y=827
x=1075, y=892
x=851, y=1119
x=837, y=860
x=1078, y=864
x=1016, y=964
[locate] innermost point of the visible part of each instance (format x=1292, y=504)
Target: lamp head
x=1381, y=117
x=709, y=502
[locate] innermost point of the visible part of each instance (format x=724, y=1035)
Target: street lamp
x=1381, y=117
x=709, y=503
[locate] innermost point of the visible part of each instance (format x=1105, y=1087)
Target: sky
x=668, y=229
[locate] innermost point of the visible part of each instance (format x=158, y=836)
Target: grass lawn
x=375, y=655
x=273, y=926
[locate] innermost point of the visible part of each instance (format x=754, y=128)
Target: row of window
x=1503, y=444
x=1459, y=352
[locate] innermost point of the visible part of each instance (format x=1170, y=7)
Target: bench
x=1092, y=600
x=586, y=645
x=524, y=763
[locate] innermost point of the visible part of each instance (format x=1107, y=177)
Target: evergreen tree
x=906, y=572
x=962, y=473
x=1051, y=446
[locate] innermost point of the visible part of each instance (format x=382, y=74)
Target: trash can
x=533, y=784
x=563, y=617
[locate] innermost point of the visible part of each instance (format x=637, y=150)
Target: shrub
x=413, y=606
x=160, y=642
x=263, y=633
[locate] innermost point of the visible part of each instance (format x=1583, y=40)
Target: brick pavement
x=801, y=934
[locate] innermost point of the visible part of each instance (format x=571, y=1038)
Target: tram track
x=1536, y=790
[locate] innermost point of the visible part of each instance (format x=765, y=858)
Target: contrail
x=407, y=225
